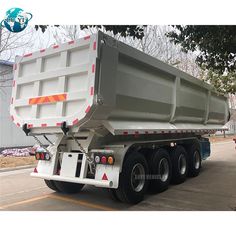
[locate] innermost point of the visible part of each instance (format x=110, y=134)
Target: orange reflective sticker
x=48, y=99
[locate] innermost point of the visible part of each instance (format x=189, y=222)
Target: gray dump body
x=140, y=94
x=135, y=93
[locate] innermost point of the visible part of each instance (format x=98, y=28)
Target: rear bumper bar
x=97, y=183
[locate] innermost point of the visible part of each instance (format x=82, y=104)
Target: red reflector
x=35, y=170
x=42, y=156
x=104, y=177
x=103, y=160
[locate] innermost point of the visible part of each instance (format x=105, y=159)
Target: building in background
x=10, y=135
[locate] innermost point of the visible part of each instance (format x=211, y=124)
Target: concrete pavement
x=213, y=189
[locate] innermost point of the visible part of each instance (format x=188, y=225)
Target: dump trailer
x=123, y=120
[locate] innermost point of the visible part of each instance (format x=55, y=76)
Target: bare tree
x=65, y=33
x=232, y=101
x=157, y=44
x=10, y=42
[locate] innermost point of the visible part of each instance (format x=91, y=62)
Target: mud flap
x=107, y=172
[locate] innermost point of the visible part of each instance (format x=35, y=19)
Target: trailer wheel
x=194, y=160
x=179, y=160
x=160, y=169
x=51, y=185
x=132, y=182
x=67, y=187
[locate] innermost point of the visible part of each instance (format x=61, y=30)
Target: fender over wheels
x=179, y=158
x=194, y=159
x=160, y=170
x=133, y=183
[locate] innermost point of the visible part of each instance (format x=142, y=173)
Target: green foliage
x=217, y=46
x=224, y=84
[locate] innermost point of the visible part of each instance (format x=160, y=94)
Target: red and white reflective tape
x=91, y=91
x=71, y=42
x=42, y=50
x=75, y=121
x=94, y=45
x=87, y=37
x=56, y=46
x=93, y=68
x=87, y=109
x=44, y=125
x=168, y=132
x=28, y=55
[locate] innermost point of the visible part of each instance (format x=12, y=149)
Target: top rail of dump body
x=99, y=81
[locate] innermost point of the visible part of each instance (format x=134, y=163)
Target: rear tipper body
x=107, y=102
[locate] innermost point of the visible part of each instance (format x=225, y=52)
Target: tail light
x=97, y=159
x=105, y=159
x=42, y=156
x=110, y=160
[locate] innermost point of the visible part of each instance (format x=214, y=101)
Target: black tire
x=179, y=159
x=128, y=191
x=51, y=185
x=160, y=170
x=194, y=159
x=112, y=193
x=67, y=187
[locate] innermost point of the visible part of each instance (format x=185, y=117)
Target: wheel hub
x=197, y=160
x=163, y=169
x=138, y=177
x=182, y=164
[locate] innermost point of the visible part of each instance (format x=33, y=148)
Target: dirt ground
x=9, y=161
x=222, y=139
x=6, y=162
